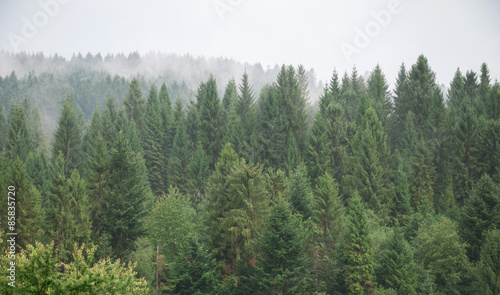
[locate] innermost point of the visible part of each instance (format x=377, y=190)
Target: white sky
x=449, y=33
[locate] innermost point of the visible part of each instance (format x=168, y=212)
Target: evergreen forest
x=212, y=184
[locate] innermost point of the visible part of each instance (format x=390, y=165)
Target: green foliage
x=421, y=183
x=178, y=162
x=129, y=196
x=67, y=139
x=39, y=272
x=357, y=256
x=378, y=91
x=134, y=103
x=299, y=192
x=397, y=268
x=488, y=268
x=480, y=214
x=440, y=251
x=19, y=142
x=283, y=253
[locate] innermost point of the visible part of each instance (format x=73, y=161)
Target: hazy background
x=449, y=33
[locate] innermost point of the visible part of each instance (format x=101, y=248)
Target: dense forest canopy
x=238, y=181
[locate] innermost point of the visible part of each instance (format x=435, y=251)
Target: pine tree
x=282, y=248
x=90, y=136
x=230, y=94
x=151, y=140
x=245, y=108
x=60, y=220
x=357, y=255
x=109, y=121
x=422, y=180
x=211, y=124
x=271, y=125
x=67, y=139
x=379, y=94
x=27, y=203
x=179, y=158
x=456, y=94
x=493, y=102
x=38, y=171
x=192, y=125
x=80, y=208
x=293, y=158
x=19, y=142
x=97, y=176
x=371, y=168
x=401, y=207
x=400, y=107
x=328, y=213
x=134, y=103
x=35, y=125
x=397, y=267
x=480, y=214
x=440, y=251
x=488, y=156
x=484, y=84
x=129, y=196
x=489, y=265
x=299, y=192
x=167, y=132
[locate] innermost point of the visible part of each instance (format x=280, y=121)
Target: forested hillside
x=235, y=186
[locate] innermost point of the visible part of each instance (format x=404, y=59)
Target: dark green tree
x=197, y=173
x=480, y=214
x=379, y=95
x=134, y=103
x=230, y=94
x=488, y=269
x=19, y=142
x=422, y=180
x=397, y=268
x=129, y=196
x=357, y=255
x=211, y=125
x=180, y=155
x=299, y=192
x=151, y=140
x=68, y=137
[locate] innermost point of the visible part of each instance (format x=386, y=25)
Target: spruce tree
x=27, y=203
x=80, y=208
x=422, y=180
x=230, y=94
x=19, y=142
x=4, y=126
x=456, y=94
x=379, y=94
x=151, y=140
x=178, y=162
x=401, y=207
x=197, y=173
x=109, y=121
x=283, y=253
x=90, y=136
x=299, y=192
x=357, y=255
x=67, y=139
x=489, y=265
x=371, y=168
x=489, y=147
x=211, y=124
x=134, y=103
x=397, y=267
x=129, y=196
x=480, y=214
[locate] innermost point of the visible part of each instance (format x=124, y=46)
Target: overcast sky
x=318, y=34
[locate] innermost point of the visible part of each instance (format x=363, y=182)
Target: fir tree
x=80, y=208
x=397, y=267
x=134, y=103
x=378, y=91
x=129, y=196
x=422, y=180
x=357, y=253
x=109, y=121
x=19, y=142
x=230, y=94
x=179, y=158
x=151, y=140
x=299, y=192
x=480, y=214
x=211, y=124
x=67, y=139
x=282, y=248
x=456, y=94
x=489, y=265
x=27, y=202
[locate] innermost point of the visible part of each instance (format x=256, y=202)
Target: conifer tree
x=80, y=208
x=38, y=171
x=167, y=131
x=371, y=168
x=179, y=158
x=129, y=196
x=67, y=139
x=480, y=214
x=484, y=84
x=397, y=267
x=211, y=124
x=19, y=142
x=328, y=213
x=192, y=125
x=230, y=94
x=489, y=265
x=109, y=121
x=357, y=255
x=134, y=103
x=456, y=94
x=245, y=108
x=493, y=102
x=489, y=147
x=379, y=94
x=151, y=140
x=97, y=176
x=401, y=207
x=3, y=127
x=197, y=172
x=90, y=136
x=35, y=125
x=27, y=202
x=282, y=248
x=422, y=180
x=299, y=192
